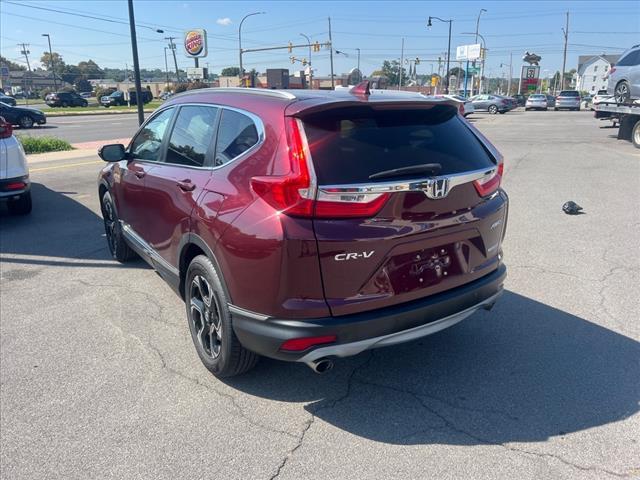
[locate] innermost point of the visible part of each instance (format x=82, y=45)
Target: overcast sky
x=377, y=28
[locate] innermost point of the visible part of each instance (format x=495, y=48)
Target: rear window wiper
x=429, y=168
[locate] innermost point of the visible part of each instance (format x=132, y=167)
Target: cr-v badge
x=353, y=256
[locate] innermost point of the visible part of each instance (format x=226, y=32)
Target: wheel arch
x=190, y=247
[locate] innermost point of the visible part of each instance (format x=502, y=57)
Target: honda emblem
x=437, y=188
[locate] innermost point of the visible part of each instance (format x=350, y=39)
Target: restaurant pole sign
x=195, y=43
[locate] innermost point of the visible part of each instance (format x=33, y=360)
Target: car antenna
x=361, y=89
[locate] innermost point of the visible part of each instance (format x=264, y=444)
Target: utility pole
x=136, y=65
x=53, y=68
x=333, y=82
x=26, y=53
x=358, y=58
x=564, y=55
x=172, y=46
x=401, y=64
x=166, y=66
x=510, y=73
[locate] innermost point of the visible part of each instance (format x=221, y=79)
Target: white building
x=592, y=70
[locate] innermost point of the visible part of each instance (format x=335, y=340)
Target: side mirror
x=113, y=152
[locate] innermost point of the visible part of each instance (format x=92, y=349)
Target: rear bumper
x=358, y=332
x=6, y=194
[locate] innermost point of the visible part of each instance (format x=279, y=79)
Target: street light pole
x=358, y=58
x=53, y=68
x=482, y=60
x=450, y=21
x=310, y=68
x=241, y=72
x=136, y=65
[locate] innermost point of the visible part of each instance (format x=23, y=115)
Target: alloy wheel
x=110, y=226
x=622, y=93
x=26, y=122
x=205, y=316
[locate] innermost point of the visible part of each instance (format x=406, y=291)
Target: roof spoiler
x=361, y=90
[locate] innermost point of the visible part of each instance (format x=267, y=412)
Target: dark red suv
x=310, y=225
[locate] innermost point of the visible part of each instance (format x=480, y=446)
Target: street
x=100, y=378
x=82, y=128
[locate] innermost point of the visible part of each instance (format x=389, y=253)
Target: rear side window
x=237, y=134
x=350, y=144
x=630, y=59
x=192, y=135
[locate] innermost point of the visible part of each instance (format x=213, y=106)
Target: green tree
x=230, y=72
x=90, y=69
x=391, y=70
x=83, y=85
x=58, y=62
x=11, y=65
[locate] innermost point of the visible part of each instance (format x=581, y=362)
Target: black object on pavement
x=572, y=208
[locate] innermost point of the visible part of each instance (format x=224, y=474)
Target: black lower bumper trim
x=266, y=336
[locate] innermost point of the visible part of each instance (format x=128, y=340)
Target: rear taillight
x=490, y=183
x=461, y=109
x=301, y=344
x=6, y=130
x=16, y=186
x=296, y=193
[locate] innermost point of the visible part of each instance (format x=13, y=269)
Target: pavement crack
x=312, y=418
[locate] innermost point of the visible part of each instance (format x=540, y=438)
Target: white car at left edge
x=15, y=186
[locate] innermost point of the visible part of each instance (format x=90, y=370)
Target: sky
x=376, y=28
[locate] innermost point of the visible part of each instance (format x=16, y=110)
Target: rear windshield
x=538, y=96
x=350, y=144
x=569, y=93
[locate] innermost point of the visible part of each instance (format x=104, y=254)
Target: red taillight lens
x=291, y=193
x=301, y=344
x=296, y=193
x=16, y=186
x=490, y=183
x=6, y=130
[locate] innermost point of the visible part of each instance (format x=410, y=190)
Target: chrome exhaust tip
x=321, y=366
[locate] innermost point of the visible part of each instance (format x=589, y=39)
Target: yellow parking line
x=42, y=169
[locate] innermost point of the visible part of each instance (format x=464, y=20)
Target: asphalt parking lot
x=99, y=378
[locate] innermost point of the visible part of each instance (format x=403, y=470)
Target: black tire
x=210, y=322
x=25, y=121
x=555, y=109
x=64, y=104
x=85, y=104
x=502, y=112
x=21, y=206
x=622, y=92
x=493, y=109
x=118, y=246
x=635, y=135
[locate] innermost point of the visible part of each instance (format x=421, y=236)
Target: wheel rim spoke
x=204, y=316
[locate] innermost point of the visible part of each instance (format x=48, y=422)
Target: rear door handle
x=139, y=173
x=186, y=185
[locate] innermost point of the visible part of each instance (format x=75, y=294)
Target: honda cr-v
x=311, y=225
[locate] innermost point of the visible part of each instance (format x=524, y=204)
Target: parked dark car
x=520, y=99
x=65, y=99
x=24, y=117
x=491, y=103
x=118, y=98
x=6, y=99
x=310, y=225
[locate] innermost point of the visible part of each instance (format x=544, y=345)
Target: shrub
x=43, y=144
x=181, y=87
x=196, y=85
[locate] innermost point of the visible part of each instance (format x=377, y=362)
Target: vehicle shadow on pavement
x=55, y=228
x=523, y=372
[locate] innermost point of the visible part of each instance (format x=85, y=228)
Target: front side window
x=192, y=135
x=237, y=134
x=146, y=145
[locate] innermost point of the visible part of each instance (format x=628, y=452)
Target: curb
x=65, y=155
x=94, y=112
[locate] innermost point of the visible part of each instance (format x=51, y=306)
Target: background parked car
x=15, y=187
x=536, y=101
x=569, y=99
x=7, y=100
x=25, y=117
x=551, y=101
x=520, y=99
x=118, y=98
x=465, y=105
x=490, y=103
x=86, y=94
x=65, y=99
x=624, y=76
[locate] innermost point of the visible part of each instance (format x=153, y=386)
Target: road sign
x=468, y=52
x=195, y=43
x=529, y=76
x=194, y=73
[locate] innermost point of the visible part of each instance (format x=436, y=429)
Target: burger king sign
x=195, y=43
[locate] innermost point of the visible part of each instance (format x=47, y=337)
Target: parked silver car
x=624, y=76
x=569, y=99
x=536, y=101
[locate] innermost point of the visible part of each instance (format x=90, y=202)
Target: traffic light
x=316, y=47
x=304, y=62
x=293, y=59
x=290, y=48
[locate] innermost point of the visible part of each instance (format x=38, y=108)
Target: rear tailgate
x=427, y=232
